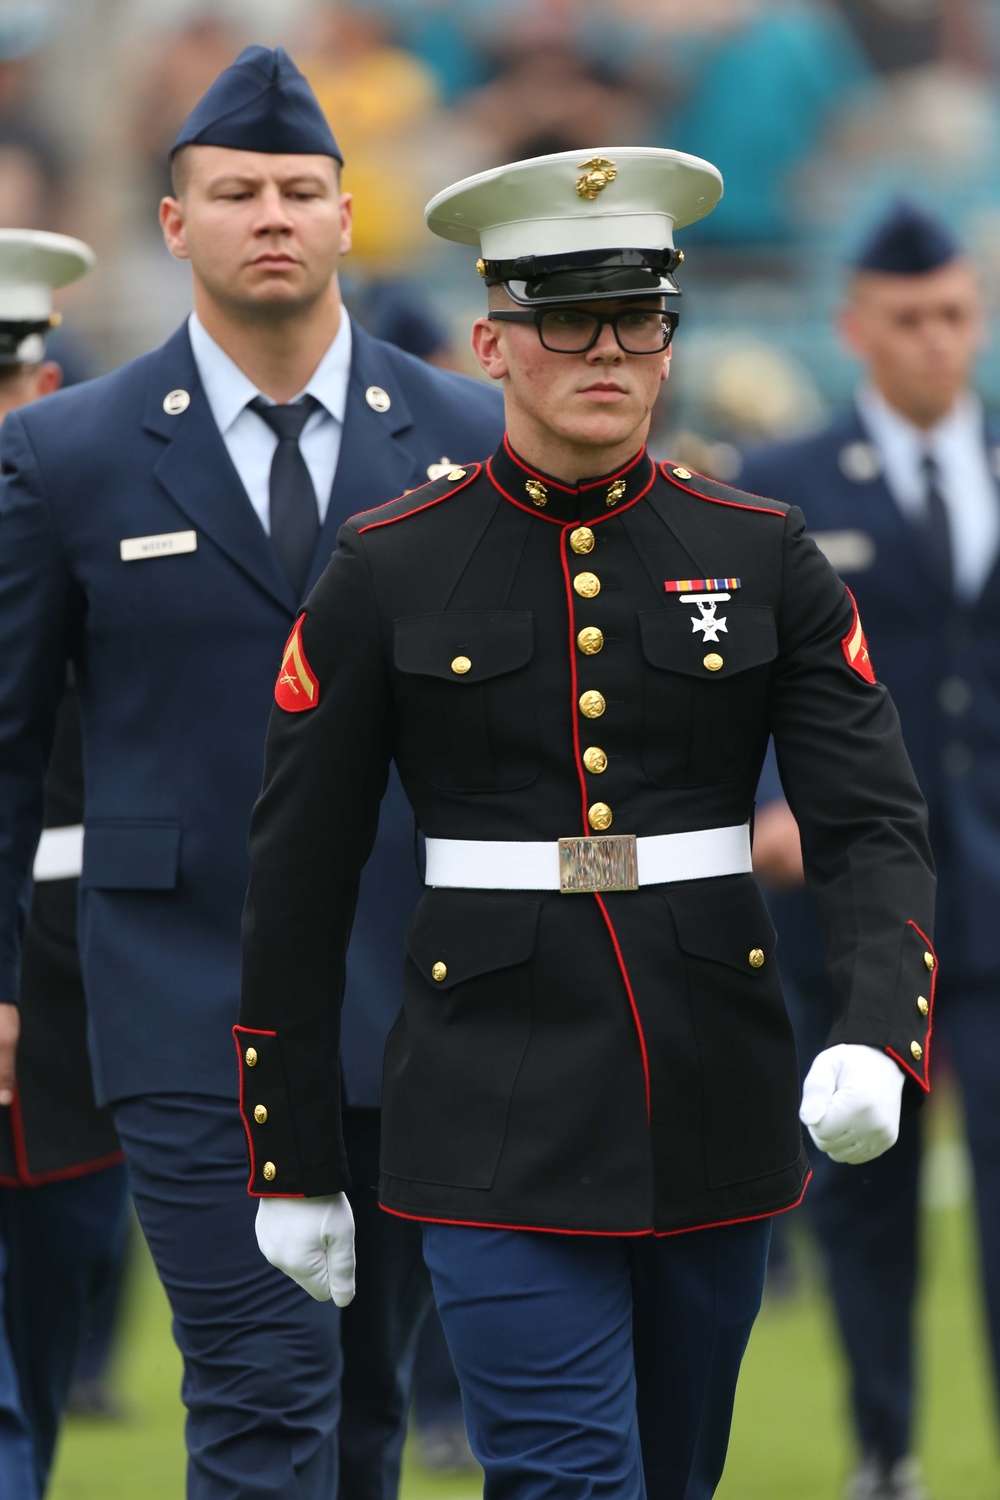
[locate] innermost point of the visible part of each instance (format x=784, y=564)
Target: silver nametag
x=603, y=862
x=167, y=544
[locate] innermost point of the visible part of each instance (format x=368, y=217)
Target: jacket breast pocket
x=130, y=854
x=750, y=1086
x=453, y=1056
x=467, y=710
x=704, y=702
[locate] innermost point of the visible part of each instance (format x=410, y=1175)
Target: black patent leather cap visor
x=585, y=276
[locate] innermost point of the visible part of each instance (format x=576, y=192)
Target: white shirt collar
x=903, y=444
x=228, y=390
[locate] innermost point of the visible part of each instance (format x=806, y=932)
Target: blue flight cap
x=261, y=102
x=908, y=241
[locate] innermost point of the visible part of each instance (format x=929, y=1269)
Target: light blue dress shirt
x=248, y=439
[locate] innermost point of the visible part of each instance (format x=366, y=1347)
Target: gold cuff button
x=599, y=816
x=916, y=1051
x=587, y=585
x=270, y=1171
x=439, y=971
x=260, y=1114
x=595, y=760
x=928, y=960
x=582, y=540
x=592, y=705
x=590, y=640
x=461, y=665
x=713, y=661
x=922, y=1005
x=250, y=1057
x=756, y=957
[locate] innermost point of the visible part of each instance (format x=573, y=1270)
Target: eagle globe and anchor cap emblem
x=598, y=172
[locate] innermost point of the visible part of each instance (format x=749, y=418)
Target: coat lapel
x=196, y=471
x=879, y=514
x=377, y=461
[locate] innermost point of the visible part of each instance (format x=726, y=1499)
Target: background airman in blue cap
x=192, y=499
x=901, y=493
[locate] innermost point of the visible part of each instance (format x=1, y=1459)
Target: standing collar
x=228, y=390
x=590, y=499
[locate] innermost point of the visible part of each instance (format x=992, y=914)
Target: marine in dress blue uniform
x=63, y=1195
x=590, y=1097
x=910, y=516
x=134, y=547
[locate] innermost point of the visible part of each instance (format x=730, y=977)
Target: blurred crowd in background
x=816, y=111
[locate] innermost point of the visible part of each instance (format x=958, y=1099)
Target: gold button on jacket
x=595, y=759
x=260, y=1114
x=592, y=705
x=587, y=585
x=439, y=971
x=922, y=1005
x=599, y=816
x=582, y=539
x=590, y=640
x=250, y=1056
x=270, y=1171
x=713, y=661
x=916, y=1051
x=461, y=665
x=928, y=960
x=756, y=958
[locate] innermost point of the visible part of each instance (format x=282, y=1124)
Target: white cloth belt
x=60, y=853
x=499, y=865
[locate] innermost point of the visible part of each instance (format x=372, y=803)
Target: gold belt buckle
x=603, y=862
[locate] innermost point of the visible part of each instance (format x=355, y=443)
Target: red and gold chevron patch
x=856, y=647
x=297, y=687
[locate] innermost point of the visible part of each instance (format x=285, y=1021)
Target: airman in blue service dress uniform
x=157, y=532
x=901, y=492
x=575, y=657
x=63, y=1194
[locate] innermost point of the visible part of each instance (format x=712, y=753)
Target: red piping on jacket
x=26, y=1178
x=472, y=472
x=618, y=1234
x=582, y=777
x=925, y=1081
x=765, y=510
x=631, y=1001
x=239, y=1031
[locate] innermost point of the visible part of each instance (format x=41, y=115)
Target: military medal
x=704, y=594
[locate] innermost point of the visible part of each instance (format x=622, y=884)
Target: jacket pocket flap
x=670, y=642
x=131, y=855
x=457, y=935
x=727, y=924
x=463, y=648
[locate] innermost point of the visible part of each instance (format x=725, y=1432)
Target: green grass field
x=789, y=1440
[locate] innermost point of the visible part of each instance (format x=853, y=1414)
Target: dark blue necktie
x=294, y=513
x=937, y=527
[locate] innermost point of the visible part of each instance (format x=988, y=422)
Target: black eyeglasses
x=571, y=330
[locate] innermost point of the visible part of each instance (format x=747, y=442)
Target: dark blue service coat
x=938, y=655
x=176, y=658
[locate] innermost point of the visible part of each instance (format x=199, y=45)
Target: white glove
x=312, y=1241
x=851, y=1101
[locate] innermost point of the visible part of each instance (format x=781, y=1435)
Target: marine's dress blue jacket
x=176, y=658
x=939, y=656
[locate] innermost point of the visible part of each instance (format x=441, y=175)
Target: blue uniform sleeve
x=38, y=605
